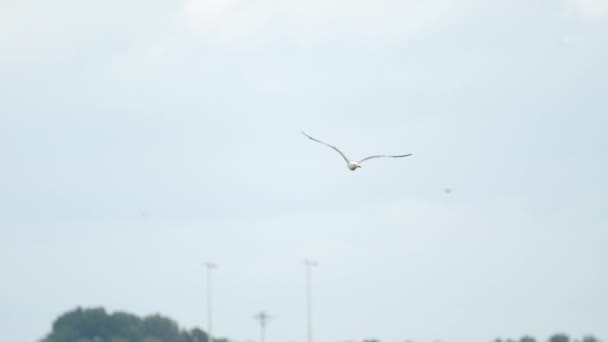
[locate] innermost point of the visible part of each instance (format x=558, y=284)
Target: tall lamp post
x=263, y=318
x=209, y=266
x=309, y=264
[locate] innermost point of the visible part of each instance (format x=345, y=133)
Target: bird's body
x=352, y=164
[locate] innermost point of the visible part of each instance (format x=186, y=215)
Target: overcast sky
x=139, y=139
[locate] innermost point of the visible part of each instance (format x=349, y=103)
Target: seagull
x=352, y=164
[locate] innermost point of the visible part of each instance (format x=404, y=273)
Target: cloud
x=312, y=20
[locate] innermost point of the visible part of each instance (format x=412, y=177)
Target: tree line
x=96, y=325
x=561, y=337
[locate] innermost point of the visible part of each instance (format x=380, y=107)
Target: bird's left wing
x=384, y=156
x=328, y=145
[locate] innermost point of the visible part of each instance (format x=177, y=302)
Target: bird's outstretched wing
x=328, y=145
x=383, y=156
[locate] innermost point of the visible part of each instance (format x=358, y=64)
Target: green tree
x=80, y=324
x=153, y=339
x=95, y=325
x=559, y=338
x=196, y=335
x=161, y=327
x=590, y=338
x=119, y=339
x=527, y=339
x=126, y=326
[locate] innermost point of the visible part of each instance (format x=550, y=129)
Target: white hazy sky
x=139, y=139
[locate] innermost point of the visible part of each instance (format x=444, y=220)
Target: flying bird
x=352, y=164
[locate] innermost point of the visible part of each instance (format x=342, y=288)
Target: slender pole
x=209, y=266
x=262, y=317
x=309, y=264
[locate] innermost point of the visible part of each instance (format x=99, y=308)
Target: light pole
x=262, y=317
x=309, y=264
x=209, y=266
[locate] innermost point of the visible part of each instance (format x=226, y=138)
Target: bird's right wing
x=383, y=156
x=328, y=145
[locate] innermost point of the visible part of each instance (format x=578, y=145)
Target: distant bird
x=353, y=165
